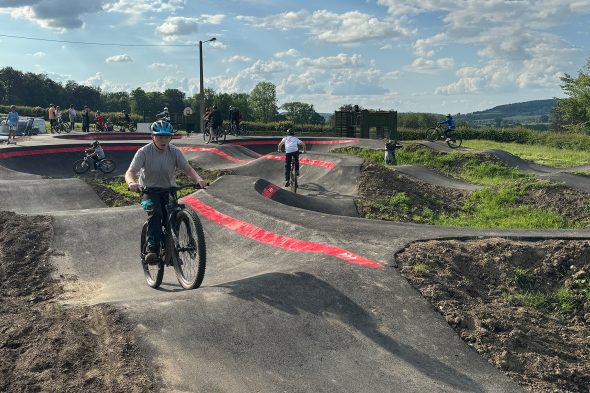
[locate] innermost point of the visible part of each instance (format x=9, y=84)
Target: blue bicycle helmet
x=161, y=127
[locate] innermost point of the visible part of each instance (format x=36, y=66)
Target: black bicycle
x=106, y=165
x=293, y=177
x=214, y=135
x=183, y=243
x=437, y=132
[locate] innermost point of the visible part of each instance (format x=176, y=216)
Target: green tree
x=174, y=100
x=263, y=102
x=301, y=113
x=575, y=110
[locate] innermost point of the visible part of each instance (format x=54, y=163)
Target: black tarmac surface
x=299, y=295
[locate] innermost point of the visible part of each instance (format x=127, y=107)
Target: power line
x=88, y=43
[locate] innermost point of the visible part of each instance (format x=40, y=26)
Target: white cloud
x=288, y=53
x=99, y=81
x=163, y=66
x=236, y=58
x=142, y=7
x=188, y=85
x=180, y=25
x=341, y=60
x=326, y=26
x=39, y=54
x=427, y=65
x=119, y=59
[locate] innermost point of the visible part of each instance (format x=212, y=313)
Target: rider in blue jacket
x=450, y=123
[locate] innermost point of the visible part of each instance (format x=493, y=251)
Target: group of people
x=214, y=118
x=55, y=117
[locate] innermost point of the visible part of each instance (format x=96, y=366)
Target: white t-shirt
x=291, y=143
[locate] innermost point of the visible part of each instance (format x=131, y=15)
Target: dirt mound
x=524, y=306
x=47, y=346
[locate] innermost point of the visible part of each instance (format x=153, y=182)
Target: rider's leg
x=288, y=159
x=296, y=158
x=153, y=205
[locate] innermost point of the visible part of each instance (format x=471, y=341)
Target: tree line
x=38, y=90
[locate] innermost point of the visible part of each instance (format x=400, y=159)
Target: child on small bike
x=450, y=123
x=291, y=143
x=156, y=164
x=96, y=152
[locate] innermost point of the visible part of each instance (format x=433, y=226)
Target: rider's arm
x=190, y=172
x=302, y=145
x=281, y=143
x=130, y=177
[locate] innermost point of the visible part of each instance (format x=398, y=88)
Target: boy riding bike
x=291, y=143
x=450, y=123
x=156, y=165
x=96, y=152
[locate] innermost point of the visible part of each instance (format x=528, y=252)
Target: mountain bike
x=214, y=135
x=236, y=130
x=60, y=126
x=293, y=182
x=106, y=165
x=183, y=243
x=437, y=132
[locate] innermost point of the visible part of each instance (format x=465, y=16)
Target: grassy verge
x=540, y=154
x=479, y=169
x=511, y=198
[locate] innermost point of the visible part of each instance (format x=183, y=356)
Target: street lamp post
x=201, y=90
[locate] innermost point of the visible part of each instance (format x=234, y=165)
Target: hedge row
x=562, y=140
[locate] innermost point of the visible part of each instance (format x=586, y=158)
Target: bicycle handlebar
x=148, y=190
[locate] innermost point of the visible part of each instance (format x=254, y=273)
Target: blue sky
x=437, y=56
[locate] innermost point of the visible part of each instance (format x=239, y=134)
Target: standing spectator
x=12, y=121
x=72, y=114
x=86, y=119
x=51, y=114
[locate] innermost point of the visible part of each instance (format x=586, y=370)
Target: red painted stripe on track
x=306, y=161
x=276, y=141
x=273, y=239
x=270, y=190
x=23, y=153
x=213, y=150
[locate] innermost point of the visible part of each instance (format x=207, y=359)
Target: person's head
x=71, y=105
x=214, y=108
x=165, y=109
x=290, y=131
x=50, y=105
x=449, y=116
x=124, y=111
x=98, y=112
x=95, y=144
x=162, y=132
x=12, y=107
x=57, y=107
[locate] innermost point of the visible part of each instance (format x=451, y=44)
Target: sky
x=437, y=56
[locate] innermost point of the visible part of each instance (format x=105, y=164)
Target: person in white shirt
x=291, y=143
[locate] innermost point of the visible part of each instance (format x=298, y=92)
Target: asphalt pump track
x=300, y=295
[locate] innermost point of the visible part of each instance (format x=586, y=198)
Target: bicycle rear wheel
x=153, y=273
x=432, y=134
x=207, y=136
x=81, y=166
x=107, y=165
x=222, y=136
x=455, y=140
x=190, y=259
x=293, y=181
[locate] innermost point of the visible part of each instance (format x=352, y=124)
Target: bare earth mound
x=524, y=306
x=46, y=346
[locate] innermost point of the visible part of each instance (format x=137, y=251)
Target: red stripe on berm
x=273, y=239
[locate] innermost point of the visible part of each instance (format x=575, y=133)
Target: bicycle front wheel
x=221, y=138
x=293, y=182
x=455, y=140
x=107, y=165
x=153, y=273
x=432, y=134
x=81, y=166
x=190, y=259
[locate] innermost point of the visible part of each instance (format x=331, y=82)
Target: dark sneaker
x=152, y=258
x=287, y=183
